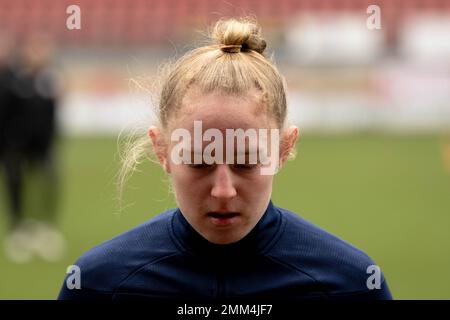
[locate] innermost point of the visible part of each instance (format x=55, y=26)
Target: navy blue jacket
x=283, y=257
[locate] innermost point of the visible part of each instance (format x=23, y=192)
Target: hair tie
x=231, y=48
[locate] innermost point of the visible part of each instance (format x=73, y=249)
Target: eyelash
x=237, y=166
x=245, y=166
x=199, y=166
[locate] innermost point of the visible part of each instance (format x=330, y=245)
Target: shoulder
x=332, y=263
x=104, y=267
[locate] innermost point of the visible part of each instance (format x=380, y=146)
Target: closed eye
x=245, y=166
x=200, y=165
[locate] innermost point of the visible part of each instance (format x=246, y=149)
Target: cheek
x=257, y=186
x=180, y=178
x=261, y=181
x=186, y=185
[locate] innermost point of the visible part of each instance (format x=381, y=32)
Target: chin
x=224, y=239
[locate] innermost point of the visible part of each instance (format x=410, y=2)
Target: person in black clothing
x=226, y=239
x=28, y=138
x=7, y=113
x=6, y=77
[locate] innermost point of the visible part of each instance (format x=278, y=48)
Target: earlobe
x=154, y=134
x=289, y=140
x=294, y=136
x=166, y=166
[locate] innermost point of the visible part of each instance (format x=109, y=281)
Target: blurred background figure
x=28, y=153
x=5, y=84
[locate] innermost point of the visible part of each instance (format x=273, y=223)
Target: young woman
x=226, y=239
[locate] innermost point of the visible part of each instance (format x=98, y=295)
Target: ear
x=159, y=147
x=288, y=141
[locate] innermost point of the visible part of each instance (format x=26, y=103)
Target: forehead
x=222, y=111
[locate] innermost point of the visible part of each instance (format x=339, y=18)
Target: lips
x=222, y=215
x=223, y=218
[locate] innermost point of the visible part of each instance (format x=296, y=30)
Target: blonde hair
x=233, y=64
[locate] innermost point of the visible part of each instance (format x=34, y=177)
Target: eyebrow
x=246, y=152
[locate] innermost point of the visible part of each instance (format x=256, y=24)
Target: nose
x=223, y=184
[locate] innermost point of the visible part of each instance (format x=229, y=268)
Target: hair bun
x=238, y=35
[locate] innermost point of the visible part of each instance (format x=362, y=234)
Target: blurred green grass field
x=387, y=194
